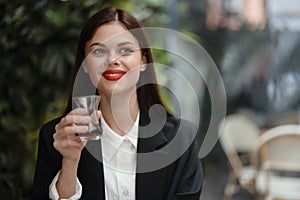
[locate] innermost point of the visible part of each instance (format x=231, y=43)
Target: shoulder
x=46, y=139
x=48, y=129
x=181, y=127
x=174, y=122
x=50, y=125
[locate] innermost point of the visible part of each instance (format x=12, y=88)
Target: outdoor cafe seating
x=267, y=164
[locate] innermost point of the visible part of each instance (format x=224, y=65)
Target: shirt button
x=125, y=192
x=126, y=143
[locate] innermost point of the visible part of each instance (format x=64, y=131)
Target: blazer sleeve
x=190, y=172
x=190, y=183
x=48, y=161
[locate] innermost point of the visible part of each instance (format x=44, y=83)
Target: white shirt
x=119, y=165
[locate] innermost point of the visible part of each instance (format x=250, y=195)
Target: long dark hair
x=148, y=94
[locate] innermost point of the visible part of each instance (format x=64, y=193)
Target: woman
x=113, y=52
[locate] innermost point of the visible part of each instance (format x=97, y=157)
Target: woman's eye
x=125, y=51
x=99, y=52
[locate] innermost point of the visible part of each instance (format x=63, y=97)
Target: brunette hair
x=148, y=93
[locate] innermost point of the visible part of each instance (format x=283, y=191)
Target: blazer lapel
x=149, y=180
x=90, y=171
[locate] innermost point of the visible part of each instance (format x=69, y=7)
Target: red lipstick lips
x=113, y=75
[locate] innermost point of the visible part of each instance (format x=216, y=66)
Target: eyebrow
x=124, y=43
x=97, y=44
x=119, y=45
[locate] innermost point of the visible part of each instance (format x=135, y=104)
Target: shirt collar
x=111, y=141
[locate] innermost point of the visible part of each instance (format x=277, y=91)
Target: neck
x=120, y=112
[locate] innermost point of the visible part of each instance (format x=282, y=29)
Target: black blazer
x=180, y=179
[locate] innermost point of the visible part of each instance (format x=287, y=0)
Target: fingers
x=65, y=144
x=69, y=131
x=79, y=116
x=66, y=139
x=99, y=114
x=66, y=131
x=76, y=116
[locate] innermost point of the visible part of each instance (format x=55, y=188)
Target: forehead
x=111, y=33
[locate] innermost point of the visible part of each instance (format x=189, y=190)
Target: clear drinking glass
x=91, y=103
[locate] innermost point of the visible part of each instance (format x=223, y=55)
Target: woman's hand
x=66, y=139
x=69, y=145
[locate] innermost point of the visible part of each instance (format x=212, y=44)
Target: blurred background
x=254, y=43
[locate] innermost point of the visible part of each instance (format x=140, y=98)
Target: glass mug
x=91, y=104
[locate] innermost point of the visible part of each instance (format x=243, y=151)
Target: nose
x=113, y=60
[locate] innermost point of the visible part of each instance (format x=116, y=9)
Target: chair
x=239, y=140
x=280, y=158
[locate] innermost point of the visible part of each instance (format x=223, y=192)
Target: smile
x=113, y=75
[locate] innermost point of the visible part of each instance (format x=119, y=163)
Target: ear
x=143, y=64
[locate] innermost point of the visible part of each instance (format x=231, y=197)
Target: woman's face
x=113, y=59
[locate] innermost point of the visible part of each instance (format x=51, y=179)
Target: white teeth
x=112, y=74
